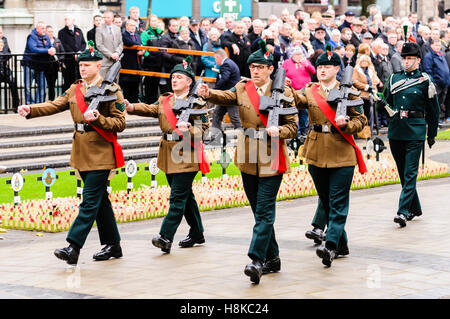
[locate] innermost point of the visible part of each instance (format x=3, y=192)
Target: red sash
x=171, y=118
x=330, y=114
x=279, y=163
x=109, y=136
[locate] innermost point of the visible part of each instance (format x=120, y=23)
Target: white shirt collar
x=262, y=88
x=328, y=88
x=182, y=96
x=88, y=86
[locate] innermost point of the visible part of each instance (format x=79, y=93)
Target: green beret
x=184, y=68
x=262, y=56
x=90, y=54
x=328, y=58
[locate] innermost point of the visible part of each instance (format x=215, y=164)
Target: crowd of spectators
x=370, y=44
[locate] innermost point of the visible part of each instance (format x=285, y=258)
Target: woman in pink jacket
x=298, y=69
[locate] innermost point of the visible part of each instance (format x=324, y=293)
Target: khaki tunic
x=253, y=156
x=174, y=156
x=90, y=150
x=327, y=149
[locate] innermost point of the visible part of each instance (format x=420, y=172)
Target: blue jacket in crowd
x=208, y=61
x=37, y=44
x=436, y=66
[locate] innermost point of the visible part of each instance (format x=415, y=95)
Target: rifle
x=341, y=96
x=96, y=95
x=186, y=107
x=272, y=104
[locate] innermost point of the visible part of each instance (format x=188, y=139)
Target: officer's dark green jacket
x=414, y=98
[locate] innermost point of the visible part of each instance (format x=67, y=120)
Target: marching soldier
x=414, y=102
x=95, y=152
x=262, y=166
x=331, y=170
x=181, y=165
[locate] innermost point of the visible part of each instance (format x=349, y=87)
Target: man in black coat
x=199, y=37
x=166, y=42
x=357, y=35
x=239, y=47
x=131, y=60
x=91, y=33
x=72, y=39
x=227, y=78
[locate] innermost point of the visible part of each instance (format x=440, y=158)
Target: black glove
x=431, y=141
x=380, y=104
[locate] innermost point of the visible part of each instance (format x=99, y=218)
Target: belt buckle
x=259, y=135
x=403, y=114
x=80, y=127
x=169, y=137
x=325, y=129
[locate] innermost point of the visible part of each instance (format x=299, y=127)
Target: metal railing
x=36, y=80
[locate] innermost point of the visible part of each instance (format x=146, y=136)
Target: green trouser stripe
x=262, y=194
x=182, y=203
x=333, y=186
x=407, y=157
x=96, y=206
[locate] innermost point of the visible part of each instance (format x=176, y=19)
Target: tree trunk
x=149, y=8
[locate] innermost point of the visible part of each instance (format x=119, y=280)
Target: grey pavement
x=384, y=262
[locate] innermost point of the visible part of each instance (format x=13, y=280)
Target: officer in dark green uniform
x=95, y=153
x=413, y=98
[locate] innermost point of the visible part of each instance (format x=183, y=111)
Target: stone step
x=46, y=130
x=62, y=161
x=66, y=138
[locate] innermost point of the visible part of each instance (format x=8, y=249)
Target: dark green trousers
x=262, y=194
x=407, y=156
x=333, y=186
x=94, y=207
x=182, y=203
x=320, y=219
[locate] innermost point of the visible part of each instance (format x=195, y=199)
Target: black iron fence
x=34, y=78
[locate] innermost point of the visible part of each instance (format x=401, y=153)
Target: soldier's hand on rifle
x=128, y=106
x=115, y=56
x=184, y=126
x=140, y=52
x=341, y=121
x=430, y=141
x=23, y=110
x=91, y=115
x=273, y=131
x=203, y=90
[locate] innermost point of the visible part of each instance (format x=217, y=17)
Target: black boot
x=191, y=241
x=316, y=234
x=400, y=219
x=327, y=254
x=163, y=243
x=254, y=271
x=271, y=265
x=109, y=251
x=70, y=254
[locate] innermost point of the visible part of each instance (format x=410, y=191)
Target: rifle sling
x=109, y=136
x=279, y=163
x=330, y=114
x=171, y=118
